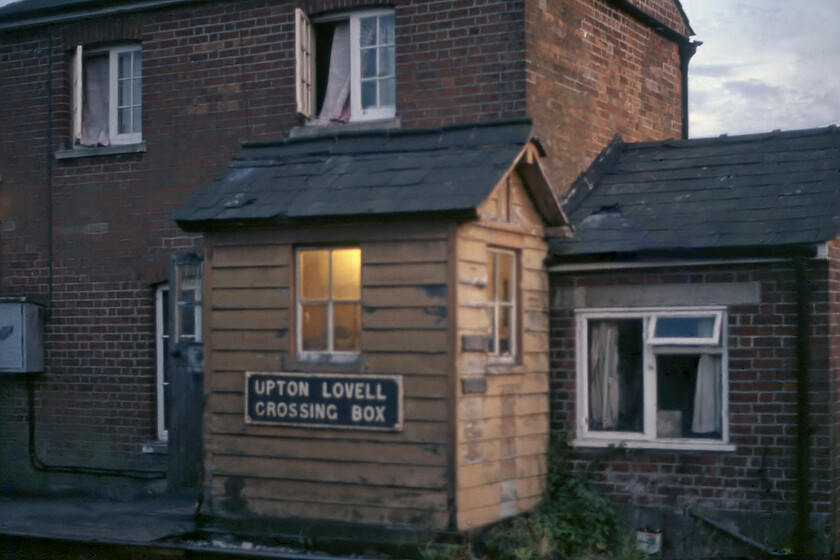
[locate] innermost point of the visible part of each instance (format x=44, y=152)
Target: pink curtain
x=95, y=102
x=336, y=108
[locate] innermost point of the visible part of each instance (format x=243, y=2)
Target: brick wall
x=214, y=74
x=93, y=234
x=759, y=476
x=834, y=382
x=593, y=71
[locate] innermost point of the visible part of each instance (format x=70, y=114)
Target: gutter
x=45, y=17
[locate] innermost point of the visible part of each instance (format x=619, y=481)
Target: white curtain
x=603, y=376
x=336, y=107
x=95, y=102
x=707, y=394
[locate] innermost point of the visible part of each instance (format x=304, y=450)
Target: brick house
x=118, y=113
x=694, y=332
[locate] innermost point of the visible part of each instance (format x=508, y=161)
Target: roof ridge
x=736, y=138
x=589, y=178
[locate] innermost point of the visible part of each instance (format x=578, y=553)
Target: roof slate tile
x=450, y=169
x=757, y=190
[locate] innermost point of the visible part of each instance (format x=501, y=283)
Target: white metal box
x=21, y=337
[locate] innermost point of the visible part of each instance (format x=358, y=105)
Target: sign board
x=366, y=402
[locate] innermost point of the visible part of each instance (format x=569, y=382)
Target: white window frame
x=647, y=438
x=161, y=336
x=305, y=70
x=115, y=138
x=329, y=356
x=496, y=305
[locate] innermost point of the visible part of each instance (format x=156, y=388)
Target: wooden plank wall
x=502, y=430
x=382, y=478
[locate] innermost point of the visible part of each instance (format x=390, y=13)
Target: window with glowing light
x=329, y=292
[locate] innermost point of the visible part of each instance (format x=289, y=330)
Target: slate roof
x=376, y=173
x=763, y=191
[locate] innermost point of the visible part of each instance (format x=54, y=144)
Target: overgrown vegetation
x=572, y=521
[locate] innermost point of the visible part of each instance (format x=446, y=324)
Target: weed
x=571, y=521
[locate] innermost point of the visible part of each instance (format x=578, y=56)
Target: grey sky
x=763, y=65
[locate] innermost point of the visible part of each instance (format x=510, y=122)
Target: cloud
x=764, y=65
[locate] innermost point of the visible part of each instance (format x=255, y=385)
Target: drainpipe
x=803, y=535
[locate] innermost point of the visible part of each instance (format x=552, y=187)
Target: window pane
x=124, y=65
x=137, y=58
x=386, y=30
x=616, y=389
x=505, y=334
x=367, y=31
x=368, y=63
x=314, y=328
x=187, y=321
x=491, y=276
x=136, y=120
x=688, y=396
x=347, y=324
x=314, y=271
x=685, y=327
x=505, y=277
x=124, y=120
x=124, y=93
x=387, y=93
x=386, y=62
x=347, y=274
x=136, y=92
x=368, y=95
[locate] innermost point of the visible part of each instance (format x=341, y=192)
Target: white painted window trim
x=160, y=384
x=113, y=52
x=356, y=111
x=305, y=70
x=495, y=306
x=304, y=65
x=330, y=356
x=648, y=439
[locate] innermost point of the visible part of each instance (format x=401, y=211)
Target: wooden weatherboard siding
x=502, y=409
x=380, y=477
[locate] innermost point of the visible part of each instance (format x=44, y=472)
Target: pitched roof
x=376, y=173
x=765, y=191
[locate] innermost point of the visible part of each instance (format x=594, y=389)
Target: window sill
x=325, y=364
x=313, y=131
x=655, y=445
x=159, y=447
x=83, y=151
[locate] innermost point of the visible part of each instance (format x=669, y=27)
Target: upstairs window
x=107, y=92
x=652, y=377
x=329, y=310
x=501, y=297
x=345, y=67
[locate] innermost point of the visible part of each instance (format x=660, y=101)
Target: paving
x=166, y=527
x=138, y=521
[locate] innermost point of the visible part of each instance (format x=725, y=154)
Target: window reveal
x=107, y=95
x=653, y=376
x=345, y=67
x=329, y=301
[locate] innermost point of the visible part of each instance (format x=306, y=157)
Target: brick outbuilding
x=694, y=331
